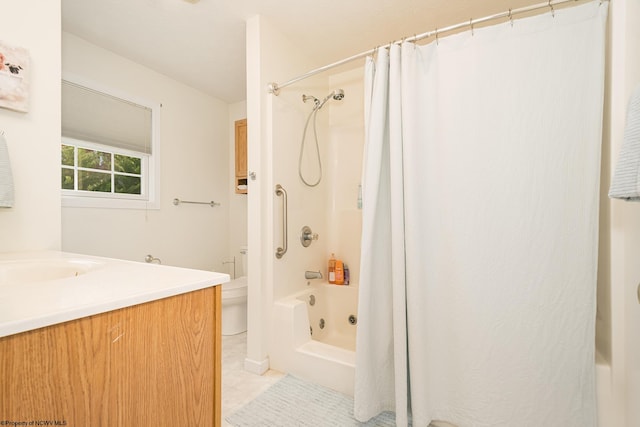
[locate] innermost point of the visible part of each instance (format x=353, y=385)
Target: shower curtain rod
x=274, y=88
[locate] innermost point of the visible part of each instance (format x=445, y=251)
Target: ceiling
x=202, y=44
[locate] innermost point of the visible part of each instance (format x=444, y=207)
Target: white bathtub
x=604, y=396
x=332, y=311
x=326, y=356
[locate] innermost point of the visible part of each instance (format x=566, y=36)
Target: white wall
x=307, y=206
x=256, y=360
x=276, y=126
x=33, y=138
x=346, y=134
x=270, y=57
x=194, y=139
x=330, y=208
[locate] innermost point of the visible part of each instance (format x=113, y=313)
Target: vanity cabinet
x=152, y=364
x=241, y=156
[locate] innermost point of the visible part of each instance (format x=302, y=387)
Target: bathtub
x=315, y=335
x=604, y=396
x=326, y=355
x=332, y=311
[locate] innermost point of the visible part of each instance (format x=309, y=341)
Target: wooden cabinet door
x=156, y=363
x=241, y=155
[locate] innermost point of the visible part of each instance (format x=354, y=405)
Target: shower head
x=337, y=94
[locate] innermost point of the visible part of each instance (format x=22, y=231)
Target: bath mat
x=294, y=402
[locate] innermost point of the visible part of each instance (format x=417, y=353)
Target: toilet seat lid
x=240, y=282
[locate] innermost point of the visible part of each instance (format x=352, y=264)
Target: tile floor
x=238, y=385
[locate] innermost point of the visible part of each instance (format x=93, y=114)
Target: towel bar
x=211, y=203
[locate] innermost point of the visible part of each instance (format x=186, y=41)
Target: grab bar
x=280, y=191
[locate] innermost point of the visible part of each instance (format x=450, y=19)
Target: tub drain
x=353, y=320
x=321, y=323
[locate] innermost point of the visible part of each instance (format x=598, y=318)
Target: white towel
x=626, y=180
x=6, y=178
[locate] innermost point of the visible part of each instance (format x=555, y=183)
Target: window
x=95, y=169
x=109, y=150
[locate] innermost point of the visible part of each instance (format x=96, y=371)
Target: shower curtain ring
x=553, y=12
x=510, y=18
x=471, y=25
x=437, y=42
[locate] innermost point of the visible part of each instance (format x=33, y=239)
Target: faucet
x=150, y=258
x=234, y=265
x=312, y=275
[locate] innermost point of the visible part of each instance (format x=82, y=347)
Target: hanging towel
x=626, y=179
x=6, y=178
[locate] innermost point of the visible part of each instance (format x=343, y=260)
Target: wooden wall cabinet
x=152, y=364
x=241, y=156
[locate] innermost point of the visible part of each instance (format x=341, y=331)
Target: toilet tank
x=243, y=260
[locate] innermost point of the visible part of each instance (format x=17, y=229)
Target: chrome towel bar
x=211, y=203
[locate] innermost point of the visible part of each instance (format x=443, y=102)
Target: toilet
x=234, y=301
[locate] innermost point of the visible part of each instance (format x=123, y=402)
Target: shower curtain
x=480, y=219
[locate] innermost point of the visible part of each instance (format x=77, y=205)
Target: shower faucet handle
x=307, y=236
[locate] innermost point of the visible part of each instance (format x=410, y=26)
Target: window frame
x=113, y=151
x=150, y=197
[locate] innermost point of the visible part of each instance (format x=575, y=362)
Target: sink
x=33, y=270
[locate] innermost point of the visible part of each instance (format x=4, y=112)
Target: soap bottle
x=339, y=272
x=332, y=269
x=346, y=274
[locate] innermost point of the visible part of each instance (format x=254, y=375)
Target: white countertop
x=39, y=289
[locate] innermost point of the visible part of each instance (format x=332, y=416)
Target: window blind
x=98, y=117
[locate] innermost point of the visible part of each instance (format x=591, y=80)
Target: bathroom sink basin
x=33, y=270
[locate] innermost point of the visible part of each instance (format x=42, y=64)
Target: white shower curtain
x=480, y=218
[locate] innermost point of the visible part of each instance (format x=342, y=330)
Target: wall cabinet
x=152, y=364
x=241, y=156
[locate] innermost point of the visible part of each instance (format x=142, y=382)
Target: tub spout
x=312, y=275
